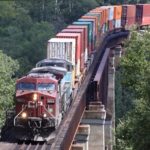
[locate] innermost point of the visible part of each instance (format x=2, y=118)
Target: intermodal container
x=63, y=48
x=77, y=37
x=96, y=22
x=106, y=13
x=128, y=15
x=85, y=28
x=82, y=43
x=117, y=12
x=101, y=12
x=94, y=25
x=143, y=14
x=90, y=28
x=98, y=17
x=92, y=36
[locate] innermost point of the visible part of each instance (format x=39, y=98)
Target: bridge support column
x=118, y=53
x=81, y=141
x=110, y=120
x=95, y=117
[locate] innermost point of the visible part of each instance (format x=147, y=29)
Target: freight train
x=44, y=95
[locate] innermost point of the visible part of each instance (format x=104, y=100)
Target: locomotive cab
x=37, y=102
x=42, y=98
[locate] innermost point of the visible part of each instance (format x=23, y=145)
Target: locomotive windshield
x=26, y=86
x=46, y=87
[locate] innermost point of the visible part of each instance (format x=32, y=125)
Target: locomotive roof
x=38, y=77
x=54, y=60
x=49, y=69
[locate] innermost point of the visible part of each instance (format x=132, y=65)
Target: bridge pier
x=95, y=117
x=81, y=141
x=114, y=59
x=110, y=119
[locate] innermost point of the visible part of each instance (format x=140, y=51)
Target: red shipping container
x=106, y=11
x=86, y=43
x=143, y=14
x=81, y=31
x=77, y=37
x=128, y=15
x=101, y=12
x=96, y=21
x=87, y=18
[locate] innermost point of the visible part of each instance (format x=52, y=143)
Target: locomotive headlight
x=35, y=96
x=44, y=115
x=24, y=115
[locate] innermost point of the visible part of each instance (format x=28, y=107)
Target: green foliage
x=70, y=9
x=135, y=65
x=21, y=37
x=133, y=131
x=7, y=84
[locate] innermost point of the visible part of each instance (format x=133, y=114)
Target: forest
x=26, y=26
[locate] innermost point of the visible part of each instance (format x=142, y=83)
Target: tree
x=70, y=9
x=7, y=83
x=133, y=130
x=21, y=36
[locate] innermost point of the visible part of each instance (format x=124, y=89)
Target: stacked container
x=94, y=28
x=85, y=28
x=106, y=15
x=117, y=16
x=95, y=18
x=82, y=44
x=101, y=12
x=77, y=37
x=92, y=31
x=62, y=48
x=90, y=28
x=143, y=14
x=98, y=15
x=111, y=18
x=128, y=15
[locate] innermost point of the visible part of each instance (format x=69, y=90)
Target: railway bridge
x=90, y=121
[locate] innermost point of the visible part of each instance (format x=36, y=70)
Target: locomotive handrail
x=18, y=115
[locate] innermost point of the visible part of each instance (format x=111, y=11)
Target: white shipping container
x=63, y=48
x=111, y=13
x=117, y=23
